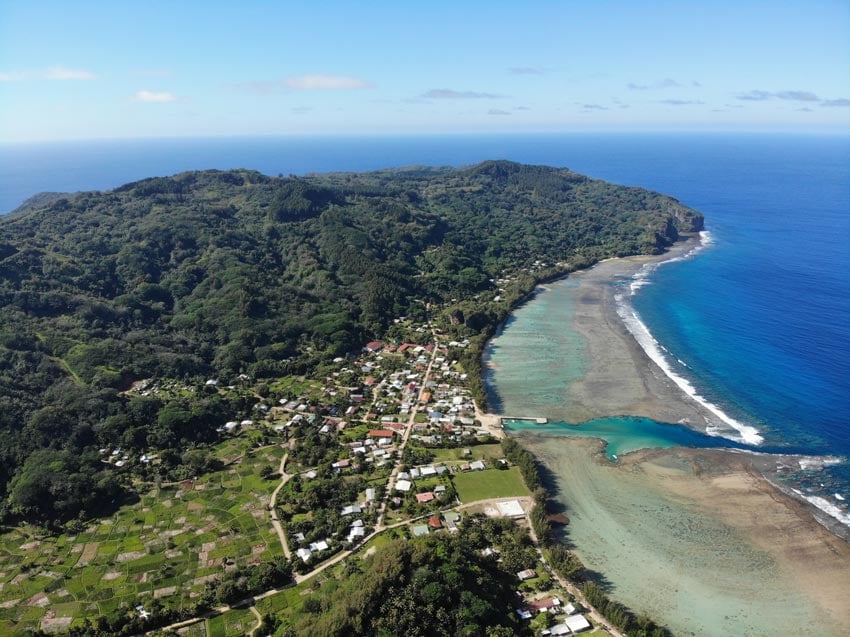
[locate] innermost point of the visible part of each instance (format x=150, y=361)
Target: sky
x=99, y=70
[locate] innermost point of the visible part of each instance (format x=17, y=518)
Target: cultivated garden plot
x=166, y=547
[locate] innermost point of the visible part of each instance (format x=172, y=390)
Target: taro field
x=167, y=546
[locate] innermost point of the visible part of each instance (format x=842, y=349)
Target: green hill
x=212, y=274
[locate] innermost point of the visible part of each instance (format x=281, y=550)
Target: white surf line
x=826, y=506
x=746, y=433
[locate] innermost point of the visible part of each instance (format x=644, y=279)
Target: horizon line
x=399, y=134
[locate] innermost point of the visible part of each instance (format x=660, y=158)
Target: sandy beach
x=698, y=538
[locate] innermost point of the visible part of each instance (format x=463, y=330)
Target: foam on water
x=734, y=429
x=827, y=507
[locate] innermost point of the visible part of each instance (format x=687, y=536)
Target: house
x=374, y=346
x=434, y=522
x=526, y=574
x=321, y=545
x=403, y=485
x=370, y=494
x=422, y=498
x=304, y=554
x=523, y=614
x=420, y=529
x=428, y=470
x=452, y=519
x=577, y=623
x=547, y=604
x=381, y=433
x=478, y=465
x=341, y=464
x=351, y=509
x=355, y=533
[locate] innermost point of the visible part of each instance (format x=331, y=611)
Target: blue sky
x=83, y=70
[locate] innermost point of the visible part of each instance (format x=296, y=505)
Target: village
x=392, y=442
x=320, y=470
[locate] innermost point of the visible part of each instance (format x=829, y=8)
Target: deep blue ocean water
x=761, y=318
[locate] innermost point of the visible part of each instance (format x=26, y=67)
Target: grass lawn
x=490, y=483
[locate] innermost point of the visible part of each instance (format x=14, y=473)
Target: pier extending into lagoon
x=539, y=421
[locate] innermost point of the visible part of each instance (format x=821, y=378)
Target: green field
x=233, y=623
x=490, y=483
x=167, y=546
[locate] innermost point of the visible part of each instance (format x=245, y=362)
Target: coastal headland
x=699, y=538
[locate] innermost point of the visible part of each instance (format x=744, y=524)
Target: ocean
x=757, y=323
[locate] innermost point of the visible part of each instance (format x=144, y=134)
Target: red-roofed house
x=434, y=522
x=422, y=498
x=374, y=346
x=381, y=433
x=545, y=604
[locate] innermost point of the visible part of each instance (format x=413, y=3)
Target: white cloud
x=451, y=94
x=62, y=73
x=665, y=83
x=152, y=96
x=325, y=83
x=53, y=73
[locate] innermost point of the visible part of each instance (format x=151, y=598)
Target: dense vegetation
x=213, y=274
x=437, y=585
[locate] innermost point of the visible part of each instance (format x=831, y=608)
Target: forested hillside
x=212, y=274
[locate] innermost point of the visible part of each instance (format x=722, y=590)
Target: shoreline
x=622, y=379
x=737, y=491
x=701, y=532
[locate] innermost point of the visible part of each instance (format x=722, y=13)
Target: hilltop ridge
x=216, y=273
